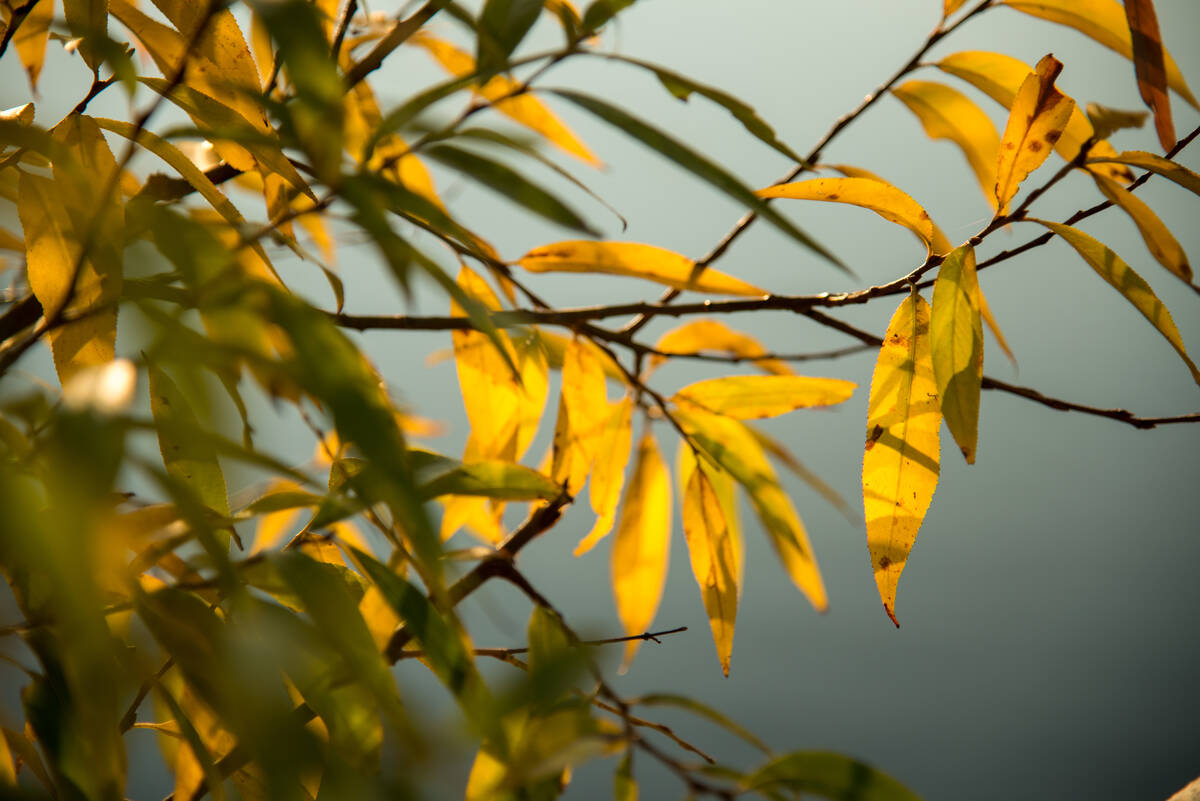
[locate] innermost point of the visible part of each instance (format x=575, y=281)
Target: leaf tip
x=891, y=613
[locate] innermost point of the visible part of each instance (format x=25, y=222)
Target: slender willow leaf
x=705, y=711
x=714, y=563
x=1162, y=243
x=747, y=397
x=511, y=185
x=946, y=113
x=30, y=39
x=641, y=548
x=833, y=776
x=501, y=480
x=1036, y=122
x=501, y=27
x=601, y=11
x=694, y=163
x=956, y=341
x=608, y=471
x=1108, y=121
x=637, y=261
x=585, y=397
x=1150, y=67
x=1103, y=21
x=189, y=455
x=900, y=462
x=699, y=336
x=1156, y=164
x=882, y=198
x=785, y=457
x=1122, y=278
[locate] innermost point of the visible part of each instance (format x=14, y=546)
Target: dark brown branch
x=1120, y=415
x=503, y=653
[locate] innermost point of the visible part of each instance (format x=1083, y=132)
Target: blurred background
x=1045, y=648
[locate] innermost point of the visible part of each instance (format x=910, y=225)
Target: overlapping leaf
x=1162, y=243
x=956, y=342
x=608, y=471
x=713, y=557
x=747, y=397
x=1036, y=122
x=700, y=336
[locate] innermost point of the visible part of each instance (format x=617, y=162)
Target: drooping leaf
x=30, y=39
x=1149, y=64
x=1162, y=243
x=501, y=27
x=1103, y=21
x=1157, y=164
x=625, y=786
x=1036, y=122
x=1000, y=76
x=635, y=260
x=785, y=457
x=946, y=113
x=901, y=459
x=87, y=20
x=884, y=199
x=608, y=471
x=705, y=711
x=693, y=162
x=734, y=448
x=642, y=544
x=493, y=479
x=699, y=336
x=828, y=775
x=599, y=12
x=956, y=342
x=584, y=394
x=714, y=563
x=1121, y=277
x=748, y=397
x=950, y=6
x=1108, y=121
x=189, y=455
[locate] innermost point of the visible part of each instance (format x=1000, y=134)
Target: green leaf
x=510, y=185
x=696, y=164
x=601, y=11
x=188, y=454
x=502, y=25
x=1121, y=277
x=832, y=776
x=493, y=479
x=956, y=337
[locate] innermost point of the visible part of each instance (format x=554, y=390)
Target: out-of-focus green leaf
x=601, y=11
x=188, y=454
x=705, y=711
x=829, y=775
x=502, y=25
x=493, y=479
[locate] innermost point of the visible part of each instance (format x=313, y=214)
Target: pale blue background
x=1048, y=647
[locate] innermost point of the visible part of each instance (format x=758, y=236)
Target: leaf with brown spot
x=1038, y=117
x=902, y=453
x=1149, y=65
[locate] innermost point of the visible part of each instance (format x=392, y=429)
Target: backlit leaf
x=1157, y=164
x=635, y=260
x=700, y=336
x=884, y=199
x=833, y=776
x=501, y=26
x=901, y=459
x=1162, y=243
x=493, y=479
x=999, y=76
x=734, y=448
x=608, y=471
x=1108, y=121
x=950, y=6
x=188, y=454
x=1036, y=122
x=956, y=341
x=946, y=113
x=1122, y=278
x=1148, y=63
x=723, y=485
x=1103, y=21
x=30, y=39
x=747, y=397
x=88, y=20
x=714, y=563
x=642, y=544
x=776, y=449
x=584, y=393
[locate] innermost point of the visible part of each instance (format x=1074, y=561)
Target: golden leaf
x=714, y=562
x=956, y=341
x=699, y=336
x=747, y=397
x=1039, y=114
x=608, y=471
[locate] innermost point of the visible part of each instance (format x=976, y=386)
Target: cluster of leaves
x=266, y=668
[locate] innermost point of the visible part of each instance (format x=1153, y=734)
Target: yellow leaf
x=747, y=397
x=1157, y=164
x=699, y=336
x=362, y=118
x=941, y=244
x=723, y=485
x=1039, y=114
x=1162, y=243
x=785, y=457
x=567, y=464
x=642, y=545
x=1149, y=64
x=523, y=108
x=480, y=517
x=956, y=341
x=714, y=562
x=1000, y=76
x=882, y=198
x=490, y=393
x=732, y=446
x=900, y=462
x=608, y=472
x=556, y=345
x=1108, y=121
x=87, y=20
x=950, y=6
x=30, y=39
x=1121, y=276
x=1104, y=21
x=22, y=115
x=584, y=393
x=382, y=621
x=635, y=260
x=946, y=113
x=535, y=387
x=275, y=527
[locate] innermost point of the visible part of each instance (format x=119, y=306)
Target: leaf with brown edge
x=1000, y=76
x=884, y=199
x=608, y=471
x=1150, y=67
x=946, y=113
x=1103, y=21
x=1161, y=242
x=635, y=260
x=956, y=341
x=642, y=544
x=1121, y=277
x=731, y=445
x=901, y=457
x=1039, y=114
x=705, y=335
x=749, y=397
x=714, y=562
x=1157, y=164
